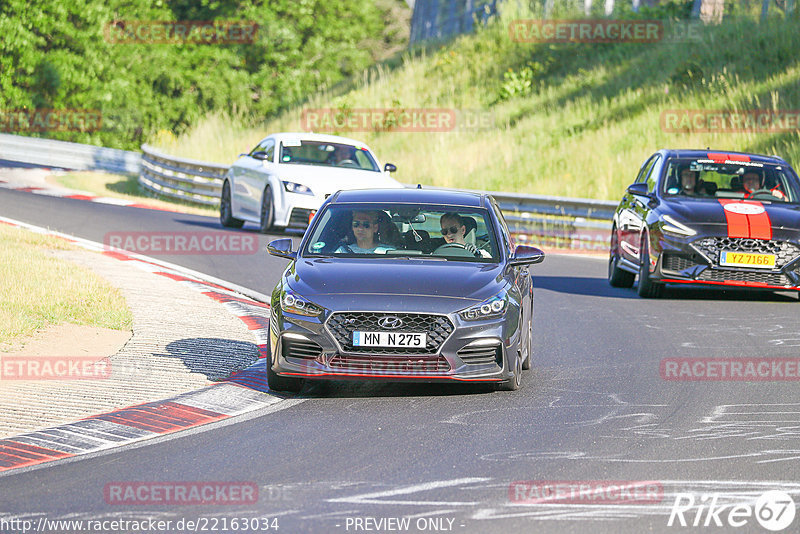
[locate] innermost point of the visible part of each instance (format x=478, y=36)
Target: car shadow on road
x=581, y=285
x=678, y=292
x=598, y=287
x=338, y=389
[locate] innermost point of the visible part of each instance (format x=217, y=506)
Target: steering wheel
x=347, y=162
x=456, y=249
x=760, y=192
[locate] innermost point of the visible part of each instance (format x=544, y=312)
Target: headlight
x=671, y=226
x=293, y=303
x=493, y=307
x=293, y=187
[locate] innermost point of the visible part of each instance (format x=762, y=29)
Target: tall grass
x=39, y=289
x=581, y=127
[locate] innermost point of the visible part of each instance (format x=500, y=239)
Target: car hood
x=334, y=282
x=326, y=180
x=711, y=213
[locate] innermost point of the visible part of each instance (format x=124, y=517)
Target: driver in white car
x=341, y=154
x=453, y=231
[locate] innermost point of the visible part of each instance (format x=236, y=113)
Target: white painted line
x=374, y=498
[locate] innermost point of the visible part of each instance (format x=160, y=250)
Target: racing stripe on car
x=760, y=226
x=737, y=222
x=753, y=226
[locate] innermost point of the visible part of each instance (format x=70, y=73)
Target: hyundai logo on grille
x=390, y=322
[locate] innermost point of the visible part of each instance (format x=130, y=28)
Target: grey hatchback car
x=403, y=285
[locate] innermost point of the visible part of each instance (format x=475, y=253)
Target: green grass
x=40, y=290
x=126, y=187
x=588, y=118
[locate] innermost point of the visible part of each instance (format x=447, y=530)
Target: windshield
x=707, y=178
x=327, y=154
x=390, y=231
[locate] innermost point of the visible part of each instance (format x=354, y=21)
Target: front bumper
x=474, y=351
x=696, y=261
x=296, y=210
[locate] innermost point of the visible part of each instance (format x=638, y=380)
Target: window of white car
x=328, y=154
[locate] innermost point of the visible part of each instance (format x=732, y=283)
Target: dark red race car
x=700, y=216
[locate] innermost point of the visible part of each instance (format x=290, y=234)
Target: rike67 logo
x=773, y=510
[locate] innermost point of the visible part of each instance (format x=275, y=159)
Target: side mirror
x=526, y=255
x=282, y=248
x=639, y=189
x=389, y=167
x=261, y=155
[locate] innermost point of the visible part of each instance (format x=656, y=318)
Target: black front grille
x=300, y=217
x=712, y=246
x=437, y=328
x=300, y=349
x=720, y=275
x=476, y=354
x=412, y=365
x=674, y=262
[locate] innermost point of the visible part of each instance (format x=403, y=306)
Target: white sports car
x=284, y=180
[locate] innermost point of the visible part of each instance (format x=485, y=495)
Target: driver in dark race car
x=453, y=231
x=751, y=181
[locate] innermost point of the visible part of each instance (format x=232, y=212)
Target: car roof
x=703, y=153
x=451, y=197
x=324, y=138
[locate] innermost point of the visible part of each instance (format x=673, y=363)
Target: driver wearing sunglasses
x=454, y=230
x=366, y=234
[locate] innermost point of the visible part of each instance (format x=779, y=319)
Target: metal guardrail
x=182, y=178
x=65, y=155
x=575, y=223
x=550, y=221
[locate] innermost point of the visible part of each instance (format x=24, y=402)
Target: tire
x=647, y=288
x=616, y=276
x=516, y=382
x=281, y=383
x=226, y=217
x=267, y=211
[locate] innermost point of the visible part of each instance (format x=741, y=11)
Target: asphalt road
x=593, y=409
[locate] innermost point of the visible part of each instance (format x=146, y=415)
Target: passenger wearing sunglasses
x=366, y=233
x=454, y=230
